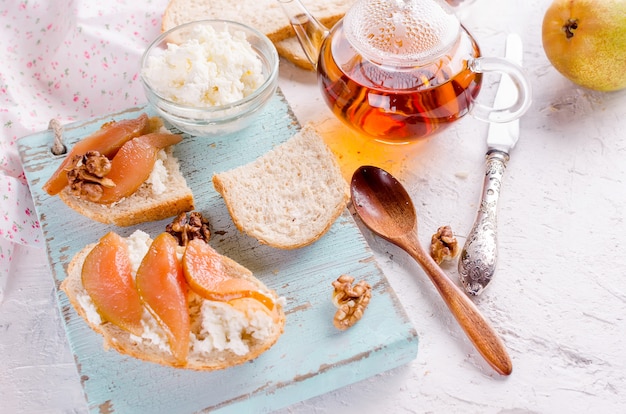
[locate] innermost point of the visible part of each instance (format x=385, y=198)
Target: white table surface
x=558, y=298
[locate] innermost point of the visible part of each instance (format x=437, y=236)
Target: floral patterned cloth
x=63, y=59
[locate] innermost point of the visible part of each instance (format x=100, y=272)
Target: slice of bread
x=266, y=16
x=145, y=204
x=291, y=50
x=152, y=346
x=290, y=196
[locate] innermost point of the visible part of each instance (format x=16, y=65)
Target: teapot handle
x=486, y=113
x=309, y=31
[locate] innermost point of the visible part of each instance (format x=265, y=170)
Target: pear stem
x=569, y=27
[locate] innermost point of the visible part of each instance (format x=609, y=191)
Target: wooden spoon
x=384, y=206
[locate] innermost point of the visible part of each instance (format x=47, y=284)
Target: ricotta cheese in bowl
x=211, y=76
x=210, y=69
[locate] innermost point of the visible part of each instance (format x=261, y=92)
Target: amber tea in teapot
x=401, y=70
x=395, y=106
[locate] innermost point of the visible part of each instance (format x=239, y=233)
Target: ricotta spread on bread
x=158, y=176
x=221, y=327
x=212, y=68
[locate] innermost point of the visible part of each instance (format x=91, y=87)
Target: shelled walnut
x=443, y=245
x=350, y=301
x=186, y=228
x=86, y=175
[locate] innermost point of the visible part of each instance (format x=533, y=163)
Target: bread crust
x=123, y=342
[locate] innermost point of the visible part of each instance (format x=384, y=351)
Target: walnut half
x=186, y=229
x=350, y=301
x=86, y=175
x=443, y=245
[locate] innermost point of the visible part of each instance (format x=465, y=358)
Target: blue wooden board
x=311, y=358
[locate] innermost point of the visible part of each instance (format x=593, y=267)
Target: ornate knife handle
x=480, y=252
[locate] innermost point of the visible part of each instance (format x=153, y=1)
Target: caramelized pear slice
x=216, y=277
x=133, y=164
x=163, y=290
x=107, y=140
x=107, y=278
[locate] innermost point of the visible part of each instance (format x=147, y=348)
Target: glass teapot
x=401, y=70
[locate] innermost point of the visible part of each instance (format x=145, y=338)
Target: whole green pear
x=585, y=40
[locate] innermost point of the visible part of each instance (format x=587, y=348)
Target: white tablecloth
x=558, y=299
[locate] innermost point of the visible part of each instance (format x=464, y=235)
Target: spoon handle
x=477, y=263
x=476, y=327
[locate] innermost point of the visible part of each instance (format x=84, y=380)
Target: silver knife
x=477, y=263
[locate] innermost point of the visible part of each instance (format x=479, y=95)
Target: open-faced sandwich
x=125, y=173
x=173, y=300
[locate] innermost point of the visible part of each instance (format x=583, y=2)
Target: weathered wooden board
x=311, y=358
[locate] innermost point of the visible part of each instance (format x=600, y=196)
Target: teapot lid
x=401, y=32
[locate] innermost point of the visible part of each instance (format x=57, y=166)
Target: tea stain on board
x=354, y=150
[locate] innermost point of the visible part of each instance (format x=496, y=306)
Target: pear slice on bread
x=289, y=197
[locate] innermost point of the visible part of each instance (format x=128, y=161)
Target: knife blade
x=504, y=136
x=477, y=262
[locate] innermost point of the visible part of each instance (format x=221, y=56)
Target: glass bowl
x=200, y=117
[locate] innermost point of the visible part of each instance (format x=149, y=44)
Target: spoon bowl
x=386, y=208
x=374, y=190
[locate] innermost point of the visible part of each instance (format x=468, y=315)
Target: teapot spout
x=309, y=31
